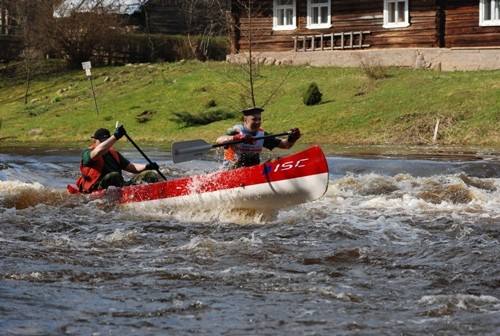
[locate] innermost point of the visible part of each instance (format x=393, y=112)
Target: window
x=4, y=22
x=489, y=12
x=284, y=15
x=396, y=14
x=318, y=14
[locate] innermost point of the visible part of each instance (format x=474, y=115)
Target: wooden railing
x=332, y=41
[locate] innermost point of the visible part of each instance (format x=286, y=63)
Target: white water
x=394, y=247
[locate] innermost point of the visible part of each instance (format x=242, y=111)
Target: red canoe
x=295, y=179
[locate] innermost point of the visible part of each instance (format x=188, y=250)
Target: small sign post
x=87, y=66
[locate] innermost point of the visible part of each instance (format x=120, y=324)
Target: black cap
x=101, y=134
x=252, y=111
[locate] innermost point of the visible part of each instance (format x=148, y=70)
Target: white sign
x=86, y=65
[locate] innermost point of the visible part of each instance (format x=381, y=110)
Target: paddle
x=140, y=151
x=192, y=149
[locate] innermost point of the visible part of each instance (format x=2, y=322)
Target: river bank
x=373, y=152
x=399, y=107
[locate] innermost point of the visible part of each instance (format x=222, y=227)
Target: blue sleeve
x=231, y=131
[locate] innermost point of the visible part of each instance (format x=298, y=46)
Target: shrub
x=145, y=116
x=211, y=103
x=210, y=115
x=313, y=95
x=373, y=68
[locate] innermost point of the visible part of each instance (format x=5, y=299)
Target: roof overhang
x=124, y=7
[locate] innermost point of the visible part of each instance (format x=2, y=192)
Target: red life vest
x=91, y=174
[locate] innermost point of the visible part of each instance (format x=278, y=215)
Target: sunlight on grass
x=399, y=109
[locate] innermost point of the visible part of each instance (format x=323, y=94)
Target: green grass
x=400, y=109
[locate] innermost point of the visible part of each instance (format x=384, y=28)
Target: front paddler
x=247, y=153
x=101, y=165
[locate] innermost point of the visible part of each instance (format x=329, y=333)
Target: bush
x=313, y=95
x=208, y=116
x=211, y=103
x=373, y=68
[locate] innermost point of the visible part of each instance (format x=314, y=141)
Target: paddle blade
x=189, y=150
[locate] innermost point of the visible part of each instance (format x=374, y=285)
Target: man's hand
x=294, y=135
x=119, y=132
x=245, y=138
x=152, y=166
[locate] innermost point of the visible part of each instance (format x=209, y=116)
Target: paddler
x=247, y=153
x=101, y=165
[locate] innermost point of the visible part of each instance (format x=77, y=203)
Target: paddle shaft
x=192, y=149
x=232, y=142
x=145, y=156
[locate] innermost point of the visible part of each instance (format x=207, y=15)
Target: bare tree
x=215, y=24
x=28, y=15
x=204, y=19
x=190, y=12
x=248, y=11
x=148, y=29
x=80, y=30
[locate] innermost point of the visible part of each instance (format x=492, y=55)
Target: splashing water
x=408, y=250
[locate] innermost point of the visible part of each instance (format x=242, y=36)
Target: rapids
x=398, y=245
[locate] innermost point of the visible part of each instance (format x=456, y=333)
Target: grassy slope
x=401, y=109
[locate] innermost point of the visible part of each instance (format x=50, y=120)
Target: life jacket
x=234, y=152
x=91, y=174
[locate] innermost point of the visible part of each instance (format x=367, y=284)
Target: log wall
x=433, y=23
x=463, y=29
x=353, y=15
x=169, y=16
x=164, y=16
x=10, y=47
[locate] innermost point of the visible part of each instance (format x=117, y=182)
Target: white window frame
x=276, y=8
x=4, y=21
x=495, y=13
x=388, y=24
x=311, y=25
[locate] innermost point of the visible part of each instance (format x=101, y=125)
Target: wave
x=402, y=194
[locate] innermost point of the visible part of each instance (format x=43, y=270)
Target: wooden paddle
x=193, y=149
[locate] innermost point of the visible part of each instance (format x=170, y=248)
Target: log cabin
x=156, y=16
x=298, y=26
x=137, y=16
x=318, y=25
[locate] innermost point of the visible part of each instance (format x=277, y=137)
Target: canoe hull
x=295, y=179
x=260, y=197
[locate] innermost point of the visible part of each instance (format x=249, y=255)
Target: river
x=399, y=245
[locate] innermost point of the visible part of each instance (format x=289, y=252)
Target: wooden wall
x=10, y=47
x=165, y=16
x=433, y=23
x=352, y=15
x=463, y=29
x=169, y=16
